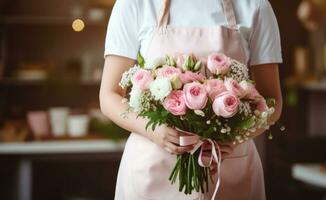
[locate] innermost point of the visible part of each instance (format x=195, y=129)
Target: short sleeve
x=122, y=32
x=265, y=44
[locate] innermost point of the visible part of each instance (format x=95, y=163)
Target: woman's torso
x=145, y=165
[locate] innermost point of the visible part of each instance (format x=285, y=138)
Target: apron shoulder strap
x=164, y=14
x=229, y=13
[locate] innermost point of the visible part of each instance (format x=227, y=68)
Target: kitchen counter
x=59, y=151
x=61, y=147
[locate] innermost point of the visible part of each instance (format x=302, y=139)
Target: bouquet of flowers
x=209, y=99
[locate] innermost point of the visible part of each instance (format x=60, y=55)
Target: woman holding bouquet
x=245, y=30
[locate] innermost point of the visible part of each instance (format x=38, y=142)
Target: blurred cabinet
x=44, y=61
x=316, y=108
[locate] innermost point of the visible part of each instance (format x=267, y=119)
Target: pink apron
x=145, y=167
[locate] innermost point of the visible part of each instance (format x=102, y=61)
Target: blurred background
x=56, y=144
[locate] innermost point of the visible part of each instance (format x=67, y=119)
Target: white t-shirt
x=132, y=23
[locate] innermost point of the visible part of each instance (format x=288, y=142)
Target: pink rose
x=233, y=86
x=195, y=95
x=189, y=76
x=250, y=92
x=262, y=105
x=253, y=95
x=142, y=78
x=218, y=63
x=226, y=104
x=168, y=71
x=247, y=87
x=214, y=87
x=175, y=103
x=180, y=59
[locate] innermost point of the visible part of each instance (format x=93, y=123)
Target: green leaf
x=140, y=60
x=156, y=118
x=197, y=66
x=170, y=61
x=190, y=62
x=247, y=123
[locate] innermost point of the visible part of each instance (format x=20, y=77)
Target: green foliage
x=198, y=66
x=156, y=118
x=140, y=60
x=246, y=123
x=170, y=61
x=189, y=64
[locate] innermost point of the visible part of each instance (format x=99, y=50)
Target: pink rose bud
x=262, y=105
x=168, y=71
x=175, y=103
x=253, y=95
x=195, y=95
x=176, y=82
x=214, y=87
x=189, y=76
x=247, y=87
x=226, y=104
x=233, y=86
x=142, y=79
x=180, y=59
x=218, y=63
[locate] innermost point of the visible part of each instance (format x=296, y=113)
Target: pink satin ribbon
x=204, y=161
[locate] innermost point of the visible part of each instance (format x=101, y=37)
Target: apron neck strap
x=164, y=13
x=229, y=13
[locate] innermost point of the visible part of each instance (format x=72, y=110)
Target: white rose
x=134, y=101
x=160, y=88
x=153, y=64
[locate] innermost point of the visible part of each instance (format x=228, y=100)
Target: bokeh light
x=78, y=25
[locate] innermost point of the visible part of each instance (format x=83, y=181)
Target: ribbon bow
x=189, y=138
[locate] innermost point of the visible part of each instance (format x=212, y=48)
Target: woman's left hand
x=226, y=148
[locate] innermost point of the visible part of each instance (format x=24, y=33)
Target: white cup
x=78, y=125
x=58, y=120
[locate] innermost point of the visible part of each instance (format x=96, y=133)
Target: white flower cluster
x=226, y=129
x=146, y=102
x=238, y=72
x=127, y=75
x=261, y=119
x=241, y=138
x=134, y=101
x=160, y=88
x=244, y=107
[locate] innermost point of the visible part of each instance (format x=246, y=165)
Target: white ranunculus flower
x=134, y=101
x=153, y=64
x=160, y=88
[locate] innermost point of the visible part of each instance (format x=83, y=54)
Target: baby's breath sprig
x=238, y=71
x=127, y=75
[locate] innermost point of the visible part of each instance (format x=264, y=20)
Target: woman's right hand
x=168, y=139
